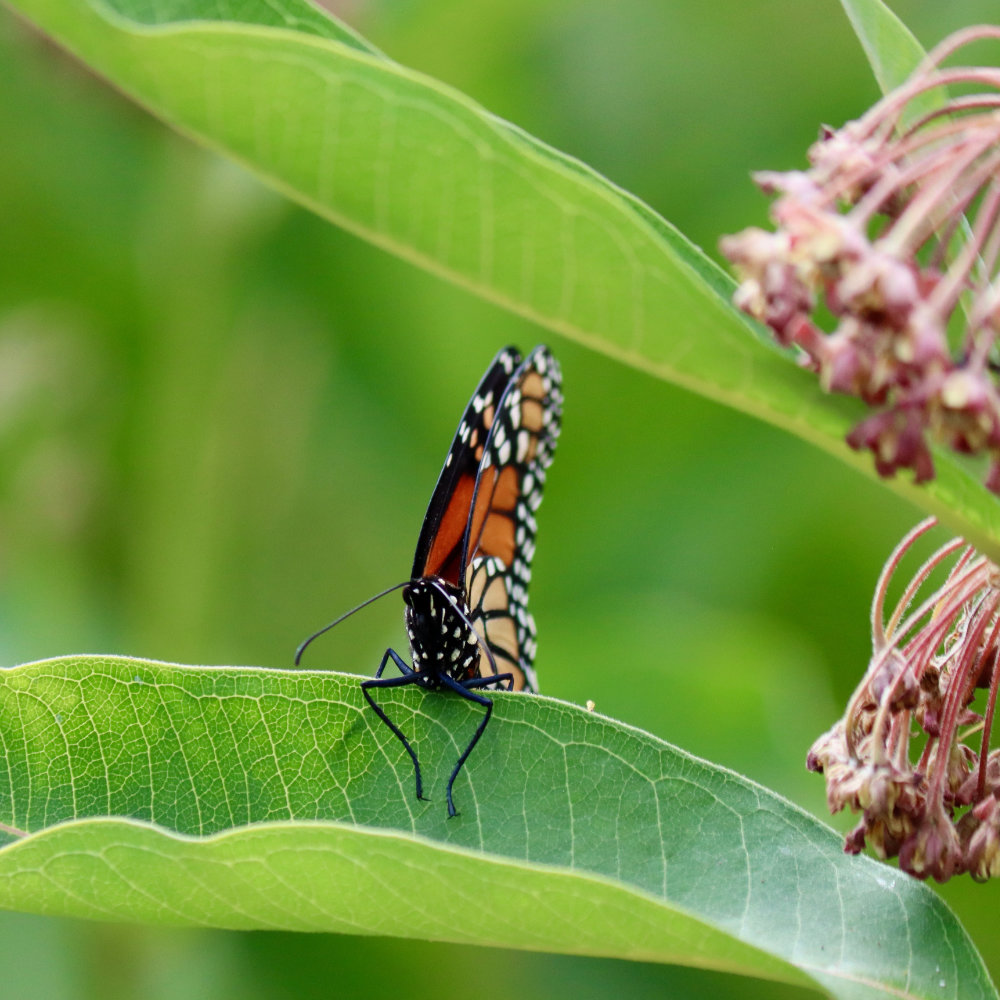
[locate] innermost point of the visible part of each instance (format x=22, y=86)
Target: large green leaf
x=575, y=833
x=421, y=170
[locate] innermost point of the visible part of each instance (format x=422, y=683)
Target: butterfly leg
x=410, y=676
x=479, y=699
x=391, y=654
x=479, y=682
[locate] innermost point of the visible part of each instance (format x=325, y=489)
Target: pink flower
x=895, y=229
x=910, y=754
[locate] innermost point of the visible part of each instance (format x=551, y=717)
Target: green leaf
x=889, y=45
x=892, y=50
x=421, y=170
x=138, y=781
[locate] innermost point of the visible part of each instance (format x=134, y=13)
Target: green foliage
x=419, y=169
x=889, y=45
x=278, y=802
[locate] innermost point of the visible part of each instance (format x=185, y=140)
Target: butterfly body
x=441, y=639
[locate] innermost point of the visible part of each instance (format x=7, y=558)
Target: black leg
x=479, y=699
x=391, y=654
x=479, y=682
x=410, y=676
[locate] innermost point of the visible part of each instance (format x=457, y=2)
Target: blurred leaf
x=889, y=45
x=601, y=839
x=421, y=170
x=892, y=50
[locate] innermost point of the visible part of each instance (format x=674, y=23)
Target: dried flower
x=896, y=227
x=910, y=754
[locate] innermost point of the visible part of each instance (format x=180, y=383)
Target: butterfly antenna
x=337, y=621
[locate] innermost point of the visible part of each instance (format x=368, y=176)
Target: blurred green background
x=221, y=420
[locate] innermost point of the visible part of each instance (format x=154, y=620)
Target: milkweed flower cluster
x=910, y=754
x=895, y=229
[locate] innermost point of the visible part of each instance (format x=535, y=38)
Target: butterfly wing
x=439, y=548
x=499, y=540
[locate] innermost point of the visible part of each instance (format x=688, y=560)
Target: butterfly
x=466, y=612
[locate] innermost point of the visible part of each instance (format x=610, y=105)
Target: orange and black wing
x=499, y=540
x=439, y=548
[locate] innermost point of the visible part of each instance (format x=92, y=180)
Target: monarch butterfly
x=466, y=601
